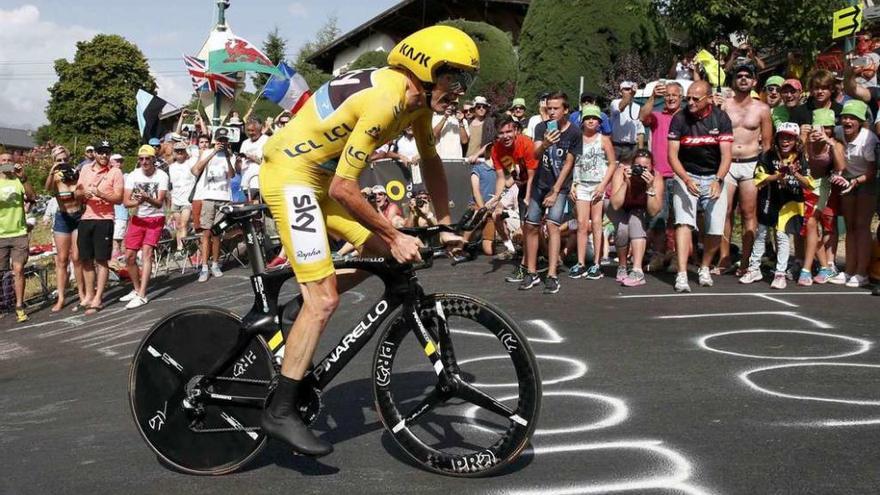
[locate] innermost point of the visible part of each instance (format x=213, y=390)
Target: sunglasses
x=772, y=89
x=381, y=194
x=519, y=108
x=144, y=158
x=480, y=105
x=744, y=76
x=102, y=152
x=695, y=99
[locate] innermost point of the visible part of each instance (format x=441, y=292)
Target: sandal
x=93, y=309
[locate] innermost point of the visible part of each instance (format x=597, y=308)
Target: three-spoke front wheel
x=474, y=415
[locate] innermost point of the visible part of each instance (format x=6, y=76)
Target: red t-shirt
x=517, y=159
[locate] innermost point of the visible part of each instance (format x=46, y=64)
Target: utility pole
x=222, y=5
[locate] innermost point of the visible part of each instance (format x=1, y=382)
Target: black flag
x=149, y=107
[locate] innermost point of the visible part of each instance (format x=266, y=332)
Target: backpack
x=7, y=291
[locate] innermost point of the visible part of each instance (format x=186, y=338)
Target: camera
x=638, y=170
x=420, y=203
x=69, y=174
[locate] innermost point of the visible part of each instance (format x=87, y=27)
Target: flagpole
x=221, y=26
x=257, y=98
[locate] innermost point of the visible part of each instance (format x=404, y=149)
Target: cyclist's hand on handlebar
x=405, y=248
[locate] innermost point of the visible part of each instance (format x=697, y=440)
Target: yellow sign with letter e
x=847, y=22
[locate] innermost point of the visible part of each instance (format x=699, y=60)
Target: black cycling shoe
x=281, y=421
x=291, y=430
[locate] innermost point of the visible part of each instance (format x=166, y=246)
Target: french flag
x=289, y=92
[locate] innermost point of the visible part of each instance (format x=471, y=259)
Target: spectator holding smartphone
x=214, y=171
x=450, y=133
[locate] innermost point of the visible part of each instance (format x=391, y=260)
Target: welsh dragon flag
x=239, y=55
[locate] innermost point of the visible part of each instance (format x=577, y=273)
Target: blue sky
x=36, y=32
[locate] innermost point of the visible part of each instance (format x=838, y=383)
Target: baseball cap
x=378, y=188
x=794, y=83
x=823, y=117
x=90, y=148
x=747, y=67
x=154, y=142
x=518, y=102
x=103, y=145
x=116, y=156
x=179, y=145
x=481, y=100
x=774, y=81
x=789, y=128
x=221, y=133
x=627, y=85
x=590, y=111
x=855, y=108
x=146, y=150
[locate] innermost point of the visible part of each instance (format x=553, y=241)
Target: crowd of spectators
x=662, y=182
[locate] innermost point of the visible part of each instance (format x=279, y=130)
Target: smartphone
x=552, y=126
x=860, y=62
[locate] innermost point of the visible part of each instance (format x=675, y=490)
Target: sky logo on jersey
x=411, y=53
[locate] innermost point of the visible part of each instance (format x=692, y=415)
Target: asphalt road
x=724, y=391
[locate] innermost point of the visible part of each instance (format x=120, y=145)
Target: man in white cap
x=627, y=131
x=89, y=158
x=481, y=131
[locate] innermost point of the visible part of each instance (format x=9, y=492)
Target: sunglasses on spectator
x=743, y=76
x=103, y=152
x=468, y=110
x=480, y=105
x=772, y=89
x=380, y=194
x=519, y=108
x=144, y=158
x=696, y=99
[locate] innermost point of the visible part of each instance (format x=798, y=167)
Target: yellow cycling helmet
x=437, y=47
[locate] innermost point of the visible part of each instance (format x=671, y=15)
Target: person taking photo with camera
x=213, y=170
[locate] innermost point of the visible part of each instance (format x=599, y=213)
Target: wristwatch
x=720, y=180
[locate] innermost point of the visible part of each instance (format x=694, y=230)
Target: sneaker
x=215, y=271
x=634, y=279
x=681, y=282
x=519, y=272
x=530, y=280
x=137, y=302
x=551, y=285
x=857, y=281
x=543, y=265
x=823, y=275
x=128, y=297
x=705, y=277
x=780, y=280
x=459, y=258
x=20, y=315
x=752, y=275
x=621, y=274
x=203, y=275
x=594, y=273
x=840, y=279
x=805, y=279
x=577, y=271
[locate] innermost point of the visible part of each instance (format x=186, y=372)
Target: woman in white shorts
x=592, y=175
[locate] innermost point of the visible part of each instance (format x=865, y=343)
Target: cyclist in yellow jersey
x=309, y=179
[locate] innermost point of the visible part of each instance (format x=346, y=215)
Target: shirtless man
x=752, y=126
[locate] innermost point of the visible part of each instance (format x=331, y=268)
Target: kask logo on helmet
x=416, y=56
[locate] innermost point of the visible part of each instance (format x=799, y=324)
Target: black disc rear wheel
x=205, y=434
x=481, y=418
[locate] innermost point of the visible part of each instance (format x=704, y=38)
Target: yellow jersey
x=345, y=121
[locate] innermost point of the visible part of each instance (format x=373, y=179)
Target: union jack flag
x=201, y=80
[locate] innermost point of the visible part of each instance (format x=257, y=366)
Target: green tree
x=94, y=97
x=497, y=61
x=378, y=58
x=310, y=72
x=798, y=24
x=274, y=47
x=562, y=40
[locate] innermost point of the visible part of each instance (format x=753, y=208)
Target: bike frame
x=401, y=289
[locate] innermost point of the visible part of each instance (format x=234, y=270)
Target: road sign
x=847, y=22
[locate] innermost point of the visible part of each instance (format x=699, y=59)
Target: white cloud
x=35, y=44
x=298, y=9
x=175, y=90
